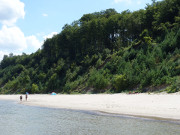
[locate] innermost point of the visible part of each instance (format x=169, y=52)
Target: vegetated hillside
x=103, y=52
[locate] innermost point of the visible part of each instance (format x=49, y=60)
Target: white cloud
x=50, y=35
x=33, y=43
x=10, y=11
x=45, y=15
x=2, y=53
x=125, y=1
x=12, y=39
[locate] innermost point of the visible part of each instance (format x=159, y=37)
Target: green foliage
x=11, y=86
x=120, y=82
x=102, y=50
x=99, y=62
x=174, y=87
x=35, y=88
x=98, y=79
x=69, y=86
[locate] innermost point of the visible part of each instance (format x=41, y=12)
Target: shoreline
x=154, y=106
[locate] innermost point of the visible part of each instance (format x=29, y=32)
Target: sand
x=163, y=106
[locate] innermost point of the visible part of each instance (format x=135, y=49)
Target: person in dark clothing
x=21, y=98
x=26, y=96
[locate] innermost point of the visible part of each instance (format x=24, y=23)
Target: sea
x=18, y=119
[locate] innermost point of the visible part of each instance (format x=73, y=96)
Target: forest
x=103, y=52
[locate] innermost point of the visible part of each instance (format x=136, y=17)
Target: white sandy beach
x=165, y=106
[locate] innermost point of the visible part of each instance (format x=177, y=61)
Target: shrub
x=35, y=88
x=99, y=62
x=70, y=86
x=175, y=87
x=120, y=83
x=98, y=79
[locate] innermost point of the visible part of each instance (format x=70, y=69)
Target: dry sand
x=165, y=106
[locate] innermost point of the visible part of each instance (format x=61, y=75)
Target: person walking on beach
x=21, y=98
x=26, y=97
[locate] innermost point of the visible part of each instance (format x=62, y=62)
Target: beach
x=158, y=106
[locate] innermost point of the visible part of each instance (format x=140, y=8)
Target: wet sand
x=159, y=106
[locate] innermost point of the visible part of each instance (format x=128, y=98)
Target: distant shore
x=159, y=106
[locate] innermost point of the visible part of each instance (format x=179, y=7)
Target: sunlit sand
x=147, y=105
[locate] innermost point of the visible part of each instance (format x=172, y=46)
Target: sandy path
x=153, y=105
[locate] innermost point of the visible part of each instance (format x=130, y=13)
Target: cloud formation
x=11, y=11
x=2, y=53
x=45, y=15
x=33, y=43
x=50, y=35
x=12, y=39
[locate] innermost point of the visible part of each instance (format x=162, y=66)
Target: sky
x=25, y=24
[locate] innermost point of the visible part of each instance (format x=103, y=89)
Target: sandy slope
x=150, y=105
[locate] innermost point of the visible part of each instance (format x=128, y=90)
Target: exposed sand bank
x=154, y=105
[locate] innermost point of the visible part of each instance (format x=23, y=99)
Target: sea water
x=18, y=119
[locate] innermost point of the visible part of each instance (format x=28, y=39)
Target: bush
x=69, y=86
x=175, y=87
x=98, y=79
x=99, y=63
x=120, y=83
x=35, y=88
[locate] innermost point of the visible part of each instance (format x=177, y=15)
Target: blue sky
x=25, y=24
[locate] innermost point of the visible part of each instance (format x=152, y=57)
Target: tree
x=120, y=83
x=35, y=88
